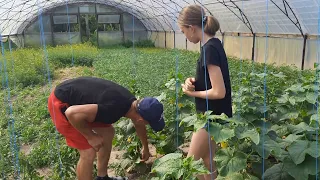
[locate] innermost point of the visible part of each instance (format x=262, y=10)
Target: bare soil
x=68, y=73
x=141, y=171
x=26, y=149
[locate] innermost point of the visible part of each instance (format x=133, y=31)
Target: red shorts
x=73, y=137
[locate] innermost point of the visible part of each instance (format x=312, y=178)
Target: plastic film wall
x=281, y=50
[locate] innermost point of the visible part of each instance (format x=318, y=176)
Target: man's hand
x=142, y=134
x=145, y=154
x=96, y=141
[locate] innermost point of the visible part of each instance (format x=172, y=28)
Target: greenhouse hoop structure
x=260, y=89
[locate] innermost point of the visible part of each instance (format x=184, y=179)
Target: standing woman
x=212, y=81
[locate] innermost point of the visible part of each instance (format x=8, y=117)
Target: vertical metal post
x=24, y=40
x=121, y=27
x=79, y=21
x=305, y=37
x=223, y=39
x=186, y=44
x=95, y=9
x=165, y=39
x=174, y=39
x=52, y=24
x=253, y=46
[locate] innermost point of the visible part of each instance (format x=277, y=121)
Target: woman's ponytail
x=211, y=25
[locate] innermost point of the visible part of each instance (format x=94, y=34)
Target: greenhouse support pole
x=305, y=37
x=121, y=27
x=165, y=39
x=95, y=10
x=79, y=21
x=253, y=46
x=52, y=25
x=87, y=25
x=174, y=39
x=222, y=39
x=186, y=44
x=24, y=40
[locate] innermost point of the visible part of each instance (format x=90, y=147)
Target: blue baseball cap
x=151, y=110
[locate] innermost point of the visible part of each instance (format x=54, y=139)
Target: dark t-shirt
x=113, y=100
x=214, y=55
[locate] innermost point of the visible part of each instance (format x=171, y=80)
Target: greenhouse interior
x=273, y=53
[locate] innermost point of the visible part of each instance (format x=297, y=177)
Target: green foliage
x=82, y=55
x=230, y=161
x=174, y=166
x=28, y=67
x=283, y=132
x=24, y=67
x=139, y=44
x=150, y=69
x=176, y=105
x=35, y=136
x=126, y=139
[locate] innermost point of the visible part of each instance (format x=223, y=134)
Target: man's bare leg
x=104, y=153
x=85, y=164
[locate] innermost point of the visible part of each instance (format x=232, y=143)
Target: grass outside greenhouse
x=282, y=134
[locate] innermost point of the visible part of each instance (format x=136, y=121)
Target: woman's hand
x=188, y=84
x=188, y=87
x=186, y=91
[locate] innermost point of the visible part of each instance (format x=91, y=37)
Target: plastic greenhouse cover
x=250, y=16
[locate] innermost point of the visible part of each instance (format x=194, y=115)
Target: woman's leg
x=199, y=148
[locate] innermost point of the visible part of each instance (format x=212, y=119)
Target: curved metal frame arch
x=9, y=22
x=148, y=22
x=243, y=17
x=285, y=12
x=148, y=18
x=163, y=15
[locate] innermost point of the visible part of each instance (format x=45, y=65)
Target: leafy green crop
x=174, y=166
x=28, y=67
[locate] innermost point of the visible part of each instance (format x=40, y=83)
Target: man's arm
x=79, y=116
x=142, y=134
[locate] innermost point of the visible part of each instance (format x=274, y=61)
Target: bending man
x=83, y=110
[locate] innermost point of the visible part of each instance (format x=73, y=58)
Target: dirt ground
x=115, y=157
